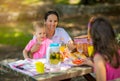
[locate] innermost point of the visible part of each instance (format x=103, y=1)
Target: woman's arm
x=34, y=48
x=100, y=70
x=29, y=54
x=25, y=54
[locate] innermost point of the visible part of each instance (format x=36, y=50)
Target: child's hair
x=38, y=24
x=104, y=41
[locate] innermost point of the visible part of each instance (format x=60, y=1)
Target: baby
x=40, y=41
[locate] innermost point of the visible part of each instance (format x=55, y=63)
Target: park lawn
x=15, y=34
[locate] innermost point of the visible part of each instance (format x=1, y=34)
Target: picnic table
x=57, y=76
x=72, y=72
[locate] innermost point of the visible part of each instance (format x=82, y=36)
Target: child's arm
x=88, y=62
x=100, y=69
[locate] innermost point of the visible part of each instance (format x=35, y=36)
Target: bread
x=77, y=55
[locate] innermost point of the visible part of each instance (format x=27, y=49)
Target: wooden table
x=61, y=75
x=70, y=73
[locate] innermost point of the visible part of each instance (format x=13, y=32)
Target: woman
x=106, y=59
x=56, y=34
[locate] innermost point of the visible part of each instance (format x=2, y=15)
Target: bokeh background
x=16, y=17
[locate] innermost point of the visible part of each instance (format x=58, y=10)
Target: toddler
x=41, y=42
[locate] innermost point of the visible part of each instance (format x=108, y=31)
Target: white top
x=61, y=36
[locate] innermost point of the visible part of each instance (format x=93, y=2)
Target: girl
x=106, y=59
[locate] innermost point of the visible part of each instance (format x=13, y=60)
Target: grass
x=15, y=34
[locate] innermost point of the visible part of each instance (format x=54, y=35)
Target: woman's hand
x=71, y=46
x=35, y=48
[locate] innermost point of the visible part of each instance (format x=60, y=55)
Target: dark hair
x=49, y=13
x=104, y=41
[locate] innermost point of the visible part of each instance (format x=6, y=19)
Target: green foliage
x=15, y=39
x=30, y=1
x=14, y=36
x=61, y=1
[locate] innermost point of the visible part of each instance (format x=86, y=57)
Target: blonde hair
x=38, y=24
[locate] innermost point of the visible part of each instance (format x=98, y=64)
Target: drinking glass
x=62, y=48
x=80, y=47
x=90, y=47
x=54, y=58
x=40, y=67
x=90, y=50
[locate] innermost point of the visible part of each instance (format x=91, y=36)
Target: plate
x=76, y=62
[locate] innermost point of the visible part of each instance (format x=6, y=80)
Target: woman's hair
x=104, y=41
x=49, y=13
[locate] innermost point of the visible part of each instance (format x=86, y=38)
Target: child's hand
x=28, y=59
x=88, y=62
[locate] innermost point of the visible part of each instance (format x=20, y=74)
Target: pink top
x=111, y=73
x=42, y=50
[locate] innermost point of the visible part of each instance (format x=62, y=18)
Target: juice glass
x=90, y=50
x=40, y=67
x=62, y=48
x=62, y=51
x=79, y=47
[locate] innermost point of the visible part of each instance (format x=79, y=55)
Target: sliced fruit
x=77, y=61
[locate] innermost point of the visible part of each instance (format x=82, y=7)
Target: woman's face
x=51, y=23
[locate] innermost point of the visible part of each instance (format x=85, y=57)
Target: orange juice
x=90, y=50
x=62, y=48
x=62, y=51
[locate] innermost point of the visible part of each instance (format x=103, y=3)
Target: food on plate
x=73, y=56
x=77, y=55
x=81, y=55
x=77, y=61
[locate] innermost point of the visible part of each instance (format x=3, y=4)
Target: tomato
x=77, y=61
